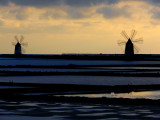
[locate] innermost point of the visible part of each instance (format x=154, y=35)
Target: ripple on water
x=130, y=114
x=153, y=116
x=26, y=110
x=88, y=107
x=2, y=110
x=144, y=111
x=110, y=119
x=125, y=112
x=97, y=114
x=102, y=109
x=84, y=110
x=29, y=104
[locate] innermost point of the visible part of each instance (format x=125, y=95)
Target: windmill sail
x=130, y=48
x=19, y=44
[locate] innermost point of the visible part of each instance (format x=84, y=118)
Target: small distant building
x=18, y=49
x=129, y=50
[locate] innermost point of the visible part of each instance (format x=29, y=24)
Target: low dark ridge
x=103, y=100
x=72, y=88
x=147, y=57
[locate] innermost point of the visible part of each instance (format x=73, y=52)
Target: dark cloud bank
x=107, y=11
x=47, y=3
x=73, y=3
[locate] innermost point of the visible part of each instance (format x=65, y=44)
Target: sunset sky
x=79, y=26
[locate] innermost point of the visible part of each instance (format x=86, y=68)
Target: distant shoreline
x=139, y=57
x=63, y=99
x=72, y=88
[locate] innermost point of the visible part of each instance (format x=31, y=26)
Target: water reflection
x=144, y=94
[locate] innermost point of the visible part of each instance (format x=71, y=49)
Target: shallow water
x=125, y=67
x=9, y=87
x=93, y=69
x=29, y=110
x=82, y=80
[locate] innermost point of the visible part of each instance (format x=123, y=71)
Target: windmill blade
x=16, y=38
x=120, y=42
x=124, y=34
x=133, y=34
x=24, y=44
x=139, y=40
x=22, y=38
x=23, y=50
x=122, y=48
x=136, y=49
x=13, y=43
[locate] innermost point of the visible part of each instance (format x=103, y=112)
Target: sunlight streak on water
x=144, y=94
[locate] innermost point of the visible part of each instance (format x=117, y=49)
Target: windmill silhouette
x=130, y=48
x=19, y=44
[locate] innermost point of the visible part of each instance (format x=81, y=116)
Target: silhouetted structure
x=18, y=49
x=18, y=46
x=130, y=48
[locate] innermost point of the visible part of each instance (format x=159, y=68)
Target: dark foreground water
x=29, y=110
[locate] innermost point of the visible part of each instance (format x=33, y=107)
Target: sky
x=79, y=26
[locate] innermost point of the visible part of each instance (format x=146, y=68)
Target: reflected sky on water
x=143, y=94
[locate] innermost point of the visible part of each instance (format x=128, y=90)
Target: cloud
x=2, y=22
x=47, y=3
x=154, y=2
x=38, y=3
x=75, y=14
x=52, y=14
x=68, y=14
x=4, y=2
x=71, y=9
x=20, y=13
x=155, y=13
x=72, y=3
x=112, y=12
x=86, y=3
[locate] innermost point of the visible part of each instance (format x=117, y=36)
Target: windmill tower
x=130, y=47
x=19, y=45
